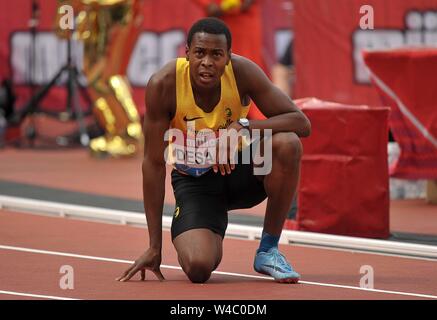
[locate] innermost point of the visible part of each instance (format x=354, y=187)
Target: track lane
x=126, y=243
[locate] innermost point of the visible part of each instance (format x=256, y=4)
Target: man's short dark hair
x=212, y=26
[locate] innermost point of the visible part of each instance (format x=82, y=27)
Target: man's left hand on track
x=150, y=260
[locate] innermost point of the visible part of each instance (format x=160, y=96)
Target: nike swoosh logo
x=192, y=119
x=276, y=268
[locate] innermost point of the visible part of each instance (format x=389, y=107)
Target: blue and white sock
x=267, y=242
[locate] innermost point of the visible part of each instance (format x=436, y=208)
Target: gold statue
x=109, y=30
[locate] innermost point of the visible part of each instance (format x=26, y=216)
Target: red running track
x=33, y=248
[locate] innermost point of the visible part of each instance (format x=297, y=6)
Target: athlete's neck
x=207, y=98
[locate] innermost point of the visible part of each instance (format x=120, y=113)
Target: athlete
x=211, y=88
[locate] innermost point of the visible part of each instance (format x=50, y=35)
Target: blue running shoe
x=273, y=263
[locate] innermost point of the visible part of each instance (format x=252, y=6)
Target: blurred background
x=72, y=103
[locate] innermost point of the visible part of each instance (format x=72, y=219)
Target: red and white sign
x=329, y=41
x=165, y=25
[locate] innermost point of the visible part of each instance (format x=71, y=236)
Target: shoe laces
x=280, y=260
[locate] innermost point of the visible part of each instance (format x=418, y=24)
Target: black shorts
x=203, y=202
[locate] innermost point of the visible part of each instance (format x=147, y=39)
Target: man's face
x=208, y=56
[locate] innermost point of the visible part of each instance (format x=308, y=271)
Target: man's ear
x=229, y=56
x=187, y=49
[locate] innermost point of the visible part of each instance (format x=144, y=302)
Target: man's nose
x=207, y=61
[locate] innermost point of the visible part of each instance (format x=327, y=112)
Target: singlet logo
x=191, y=119
x=228, y=112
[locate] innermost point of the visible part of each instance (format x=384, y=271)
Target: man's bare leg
x=281, y=183
x=199, y=253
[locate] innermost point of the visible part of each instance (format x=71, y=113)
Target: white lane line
x=370, y=290
x=242, y=232
x=31, y=295
x=63, y=254
x=241, y=275
x=361, y=251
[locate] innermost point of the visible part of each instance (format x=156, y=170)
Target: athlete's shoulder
x=242, y=65
x=161, y=89
x=164, y=77
x=246, y=73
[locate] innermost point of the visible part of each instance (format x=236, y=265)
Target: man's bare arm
x=159, y=103
x=283, y=115
x=156, y=122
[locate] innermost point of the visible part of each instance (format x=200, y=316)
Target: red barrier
x=406, y=80
x=344, y=176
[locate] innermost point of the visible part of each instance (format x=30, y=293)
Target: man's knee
x=199, y=253
x=198, y=270
x=286, y=146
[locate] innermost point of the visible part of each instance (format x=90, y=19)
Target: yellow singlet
x=202, y=126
